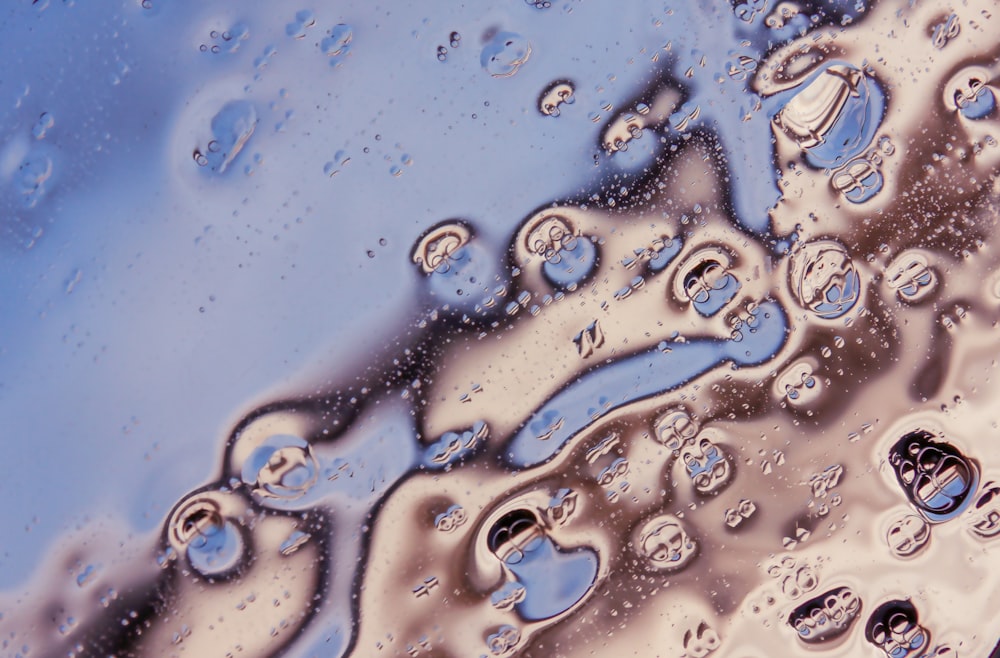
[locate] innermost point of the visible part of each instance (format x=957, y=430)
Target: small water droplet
x=295, y=541
x=73, y=281
x=86, y=575
x=43, y=125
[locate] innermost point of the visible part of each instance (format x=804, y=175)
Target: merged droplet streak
x=610, y=387
x=454, y=447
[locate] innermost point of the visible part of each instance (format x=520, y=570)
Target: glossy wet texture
x=659, y=331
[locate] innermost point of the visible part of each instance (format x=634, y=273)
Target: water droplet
x=509, y=595
x=304, y=19
x=707, y=465
x=736, y=516
x=43, y=125
x=86, y=576
x=859, y=180
x=503, y=640
x=700, y=640
x=570, y=258
x=504, y=54
x=824, y=279
x=32, y=178
x=282, y=467
x=675, y=428
x=894, y=628
x=664, y=544
x=945, y=31
x=704, y=281
x=783, y=14
x=452, y=447
x=452, y=518
x=798, y=384
x=938, y=480
x=827, y=616
x=560, y=92
x=555, y=580
x=212, y=543
x=684, y=118
x=460, y=273
x=337, y=45
x=73, y=281
x=969, y=93
x=232, y=127
x=911, y=277
x=295, y=541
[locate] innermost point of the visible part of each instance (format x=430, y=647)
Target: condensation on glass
x=735, y=397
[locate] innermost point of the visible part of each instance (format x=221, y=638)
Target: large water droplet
x=504, y=54
x=834, y=115
x=554, y=580
x=211, y=541
x=232, y=128
x=938, y=480
x=282, y=466
x=824, y=279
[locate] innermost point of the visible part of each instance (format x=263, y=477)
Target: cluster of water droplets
x=682, y=404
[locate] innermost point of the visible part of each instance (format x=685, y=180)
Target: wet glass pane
x=562, y=329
